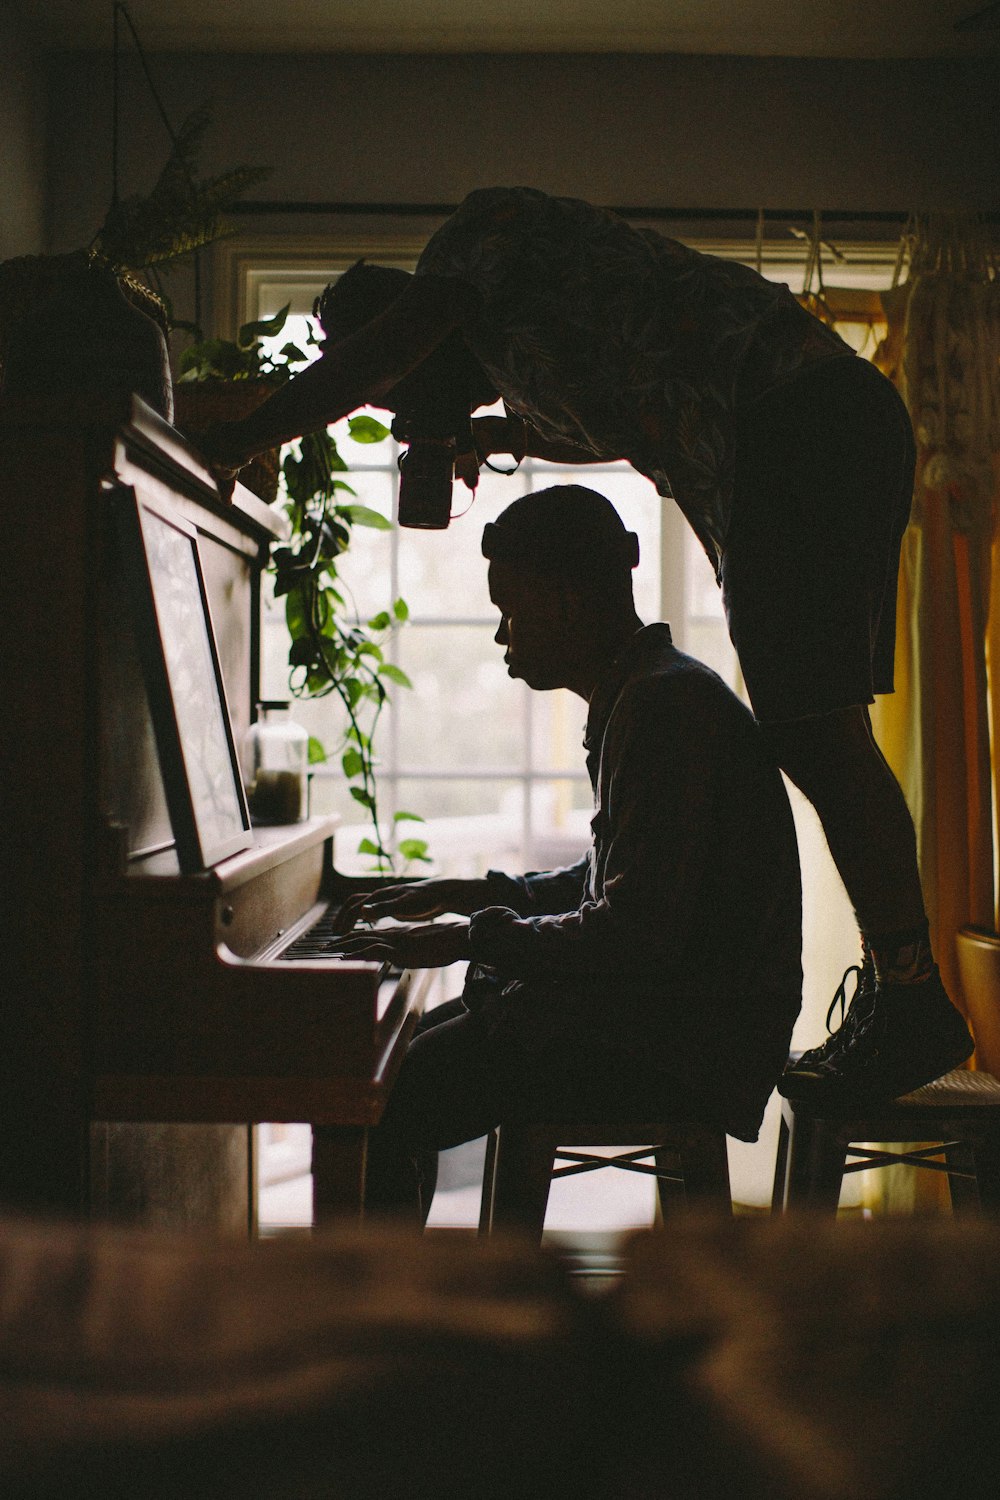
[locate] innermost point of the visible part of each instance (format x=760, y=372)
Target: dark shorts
x=824, y=481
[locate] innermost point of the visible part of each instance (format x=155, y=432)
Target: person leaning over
x=791, y=458
x=661, y=974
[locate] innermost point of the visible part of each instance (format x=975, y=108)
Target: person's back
x=713, y=865
x=684, y=945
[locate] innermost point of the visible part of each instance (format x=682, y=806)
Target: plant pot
x=199, y=404
x=71, y=326
x=978, y=952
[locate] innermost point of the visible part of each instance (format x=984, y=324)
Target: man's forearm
x=353, y=372
x=518, y=438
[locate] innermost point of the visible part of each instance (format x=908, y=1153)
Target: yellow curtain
x=942, y=349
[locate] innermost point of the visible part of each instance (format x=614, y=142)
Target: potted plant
x=80, y=320
x=223, y=380
x=330, y=654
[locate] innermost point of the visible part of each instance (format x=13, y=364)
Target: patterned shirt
x=628, y=344
x=685, y=917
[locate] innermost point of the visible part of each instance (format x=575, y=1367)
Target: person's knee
x=822, y=754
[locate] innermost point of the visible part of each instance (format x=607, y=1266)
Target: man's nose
x=501, y=636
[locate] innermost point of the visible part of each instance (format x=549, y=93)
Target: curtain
x=942, y=349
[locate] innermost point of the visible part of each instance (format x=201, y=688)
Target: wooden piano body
x=134, y=993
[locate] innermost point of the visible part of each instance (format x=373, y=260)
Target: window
x=495, y=769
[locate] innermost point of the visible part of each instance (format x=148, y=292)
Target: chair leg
x=815, y=1165
x=964, y=1190
x=705, y=1169
x=779, y=1190
x=521, y=1175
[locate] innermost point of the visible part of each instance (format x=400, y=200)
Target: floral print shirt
x=685, y=917
x=626, y=343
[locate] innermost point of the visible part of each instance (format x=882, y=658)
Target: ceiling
x=789, y=28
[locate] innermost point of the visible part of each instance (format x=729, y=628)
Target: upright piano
x=135, y=992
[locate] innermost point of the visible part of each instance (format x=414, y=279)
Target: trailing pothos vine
x=329, y=654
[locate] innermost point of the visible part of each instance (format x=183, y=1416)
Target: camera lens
x=426, y=471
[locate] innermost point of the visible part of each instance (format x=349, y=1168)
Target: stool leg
x=986, y=1154
x=780, y=1189
x=671, y=1194
x=489, y=1183
x=705, y=1168
x=521, y=1175
x=964, y=1190
x=815, y=1164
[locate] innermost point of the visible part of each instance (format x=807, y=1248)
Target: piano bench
x=957, y=1118
x=689, y=1162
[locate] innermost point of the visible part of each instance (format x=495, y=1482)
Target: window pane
x=365, y=570
x=464, y=710
x=471, y=824
x=561, y=811
x=442, y=574
x=557, y=723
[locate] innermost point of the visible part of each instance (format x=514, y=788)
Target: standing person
x=791, y=458
x=660, y=975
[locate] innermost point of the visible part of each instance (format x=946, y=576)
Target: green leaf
x=407, y=817
x=301, y=652
x=363, y=515
x=395, y=674
x=401, y=610
x=367, y=847
x=414, y=849
x=381, y=621
x=367, y=429
x=353, y=763
x=264, y=328
x=360, y=795
x=316, y=751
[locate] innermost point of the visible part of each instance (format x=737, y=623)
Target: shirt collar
x=614, y=676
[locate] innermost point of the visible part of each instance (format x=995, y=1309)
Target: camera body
x=427, y=467
x=426, y=474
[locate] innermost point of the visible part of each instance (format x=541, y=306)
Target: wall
x=22, y=130
x=659, y=130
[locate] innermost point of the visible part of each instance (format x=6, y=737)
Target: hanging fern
x=182, y=212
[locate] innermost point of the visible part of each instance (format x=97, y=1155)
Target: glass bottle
x=275, y=766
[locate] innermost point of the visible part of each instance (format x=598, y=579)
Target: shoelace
x=840, y=996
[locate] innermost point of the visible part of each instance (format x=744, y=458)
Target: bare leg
x=836, y=763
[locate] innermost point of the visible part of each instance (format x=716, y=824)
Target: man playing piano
x=791, y=459
x=661, y=974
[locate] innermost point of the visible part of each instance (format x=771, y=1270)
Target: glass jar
x=275, y=766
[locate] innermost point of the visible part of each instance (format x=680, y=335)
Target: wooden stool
x=690, y=1166
x=959, y=1112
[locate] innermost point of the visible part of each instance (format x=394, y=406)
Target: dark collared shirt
x=685, y=916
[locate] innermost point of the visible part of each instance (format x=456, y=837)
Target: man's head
x=561, y=576
x=445, y=387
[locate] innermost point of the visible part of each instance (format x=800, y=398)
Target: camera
x=426, y=472
x=427, y=467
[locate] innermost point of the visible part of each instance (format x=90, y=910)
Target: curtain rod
x=628, y=211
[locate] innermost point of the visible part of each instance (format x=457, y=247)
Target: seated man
x=659, y=976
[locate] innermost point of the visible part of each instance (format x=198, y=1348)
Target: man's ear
x=571, y=601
